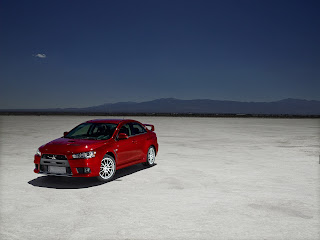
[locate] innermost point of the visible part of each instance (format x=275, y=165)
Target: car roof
x=115, y=121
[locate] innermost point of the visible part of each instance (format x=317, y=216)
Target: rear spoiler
x=149, y=127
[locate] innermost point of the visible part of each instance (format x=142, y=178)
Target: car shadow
x=79, y=182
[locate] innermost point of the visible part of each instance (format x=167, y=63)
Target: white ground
x=215, y=179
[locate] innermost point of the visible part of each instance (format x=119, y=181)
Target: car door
x=126, y=147
x=138, y=135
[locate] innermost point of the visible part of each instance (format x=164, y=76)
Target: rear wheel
x=107, y=168
x=151, y=157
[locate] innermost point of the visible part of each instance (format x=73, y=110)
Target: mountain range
x=198, y=106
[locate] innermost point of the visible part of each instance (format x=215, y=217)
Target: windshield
x=95, y=131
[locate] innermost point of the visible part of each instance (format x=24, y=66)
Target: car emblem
x=53, y=157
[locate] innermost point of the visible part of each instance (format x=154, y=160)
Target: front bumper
x=73, y=167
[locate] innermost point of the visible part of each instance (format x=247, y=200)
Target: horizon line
x=168, y=98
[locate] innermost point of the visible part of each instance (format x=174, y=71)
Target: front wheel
x=151, y=157
x=107, y=168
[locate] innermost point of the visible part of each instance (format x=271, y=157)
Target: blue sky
x=84, y=53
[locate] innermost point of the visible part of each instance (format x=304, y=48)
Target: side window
x=137, y=129
x=125, y=129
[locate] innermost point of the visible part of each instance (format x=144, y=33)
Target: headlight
x=84, y=155
x=38, y=153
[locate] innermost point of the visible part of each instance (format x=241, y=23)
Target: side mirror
x=122, y=136
x=65, y=134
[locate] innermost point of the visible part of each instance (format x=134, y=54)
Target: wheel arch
x=152, y=145
x=112, y=155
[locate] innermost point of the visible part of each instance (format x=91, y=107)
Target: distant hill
x=198, y=106
x=207, y=106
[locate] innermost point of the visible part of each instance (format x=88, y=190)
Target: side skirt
x=130, y=164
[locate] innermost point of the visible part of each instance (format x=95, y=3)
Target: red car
x=97, y=148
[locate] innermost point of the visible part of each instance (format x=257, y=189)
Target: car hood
x=70, y=146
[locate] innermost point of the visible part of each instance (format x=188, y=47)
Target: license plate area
x=57, y=170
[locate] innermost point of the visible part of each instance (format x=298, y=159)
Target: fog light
x=86, y=170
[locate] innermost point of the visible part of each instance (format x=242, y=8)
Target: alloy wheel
x=107, y=168
x=151, y=156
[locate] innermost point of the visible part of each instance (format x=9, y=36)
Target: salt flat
x=215, y=178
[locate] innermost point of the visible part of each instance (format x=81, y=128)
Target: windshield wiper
x=90, y=138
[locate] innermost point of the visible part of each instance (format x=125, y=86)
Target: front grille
x=48, y=160
x=54, y=156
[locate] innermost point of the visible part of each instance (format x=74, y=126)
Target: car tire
x=151, y=157
x=107, y=168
